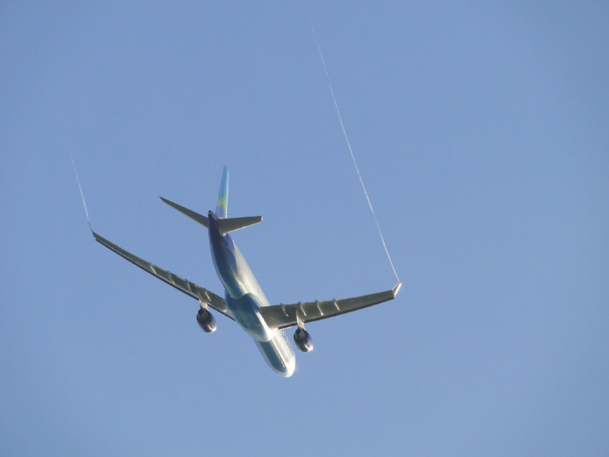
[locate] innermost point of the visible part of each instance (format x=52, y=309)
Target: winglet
x=396, y=289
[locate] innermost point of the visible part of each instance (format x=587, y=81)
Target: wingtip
x=396, y=289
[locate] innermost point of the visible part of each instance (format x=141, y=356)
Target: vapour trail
x=80, y=187
x=342, y=126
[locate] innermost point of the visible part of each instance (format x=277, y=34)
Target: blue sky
x=481, y=131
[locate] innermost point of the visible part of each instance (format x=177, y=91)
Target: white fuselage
x=244, y=298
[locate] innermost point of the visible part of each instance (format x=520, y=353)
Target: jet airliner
x=244, y=302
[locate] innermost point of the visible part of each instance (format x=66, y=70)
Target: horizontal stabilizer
x=194, y=216
x=225, y=225
x=236, y=223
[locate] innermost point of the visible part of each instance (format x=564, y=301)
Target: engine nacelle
x=303, y=340
x=206, y=321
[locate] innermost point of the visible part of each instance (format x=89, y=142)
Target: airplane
x=244, y=302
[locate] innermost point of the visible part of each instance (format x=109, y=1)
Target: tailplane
x=235, y=223
x=194, y=216
x=225, y=224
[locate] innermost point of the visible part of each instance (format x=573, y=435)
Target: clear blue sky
x=482, y=133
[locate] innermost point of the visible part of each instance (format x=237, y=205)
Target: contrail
x=342, y=126
x=80, y=187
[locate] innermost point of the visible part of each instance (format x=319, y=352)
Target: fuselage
x=244, y=298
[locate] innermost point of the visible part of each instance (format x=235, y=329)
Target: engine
x=206, y=321
x=303, y=340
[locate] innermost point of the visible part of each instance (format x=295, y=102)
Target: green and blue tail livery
x=222, y=205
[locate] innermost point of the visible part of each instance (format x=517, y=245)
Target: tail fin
x=222, y=205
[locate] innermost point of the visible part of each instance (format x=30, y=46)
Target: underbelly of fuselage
x=246, y=311
x=244, y=298
x=279, y=354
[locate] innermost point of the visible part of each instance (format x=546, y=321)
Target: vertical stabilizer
x=222, y=205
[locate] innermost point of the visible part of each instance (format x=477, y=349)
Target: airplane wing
x=283, y=316
x=183, y=285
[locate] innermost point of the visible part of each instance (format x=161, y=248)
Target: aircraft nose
x=288, y=371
